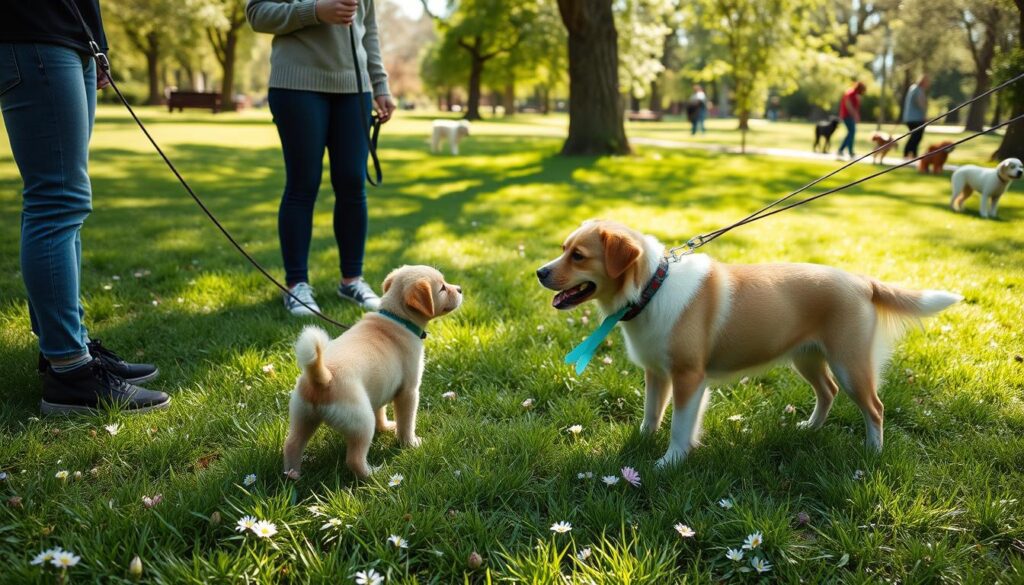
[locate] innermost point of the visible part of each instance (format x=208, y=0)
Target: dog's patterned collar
x=652, y=288
x=412, y=327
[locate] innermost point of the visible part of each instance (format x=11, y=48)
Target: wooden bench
x=193, y=99
x=645, y=116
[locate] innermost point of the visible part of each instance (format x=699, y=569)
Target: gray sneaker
x=360, y=293
x=304, y=293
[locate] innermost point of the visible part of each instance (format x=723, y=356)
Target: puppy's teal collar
x=412, y=327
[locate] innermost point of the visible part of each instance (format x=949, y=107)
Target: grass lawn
x=943, y=502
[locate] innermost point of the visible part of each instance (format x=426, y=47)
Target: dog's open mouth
x=571, y=297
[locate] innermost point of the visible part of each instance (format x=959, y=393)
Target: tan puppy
x=348, y=382
x=710, y=320
x=883, y=144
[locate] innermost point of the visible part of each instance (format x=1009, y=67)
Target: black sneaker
x=360, y=293
x=132, y=373
x=92, y=387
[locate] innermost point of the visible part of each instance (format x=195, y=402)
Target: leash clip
x=676, y=254
x=101, y=57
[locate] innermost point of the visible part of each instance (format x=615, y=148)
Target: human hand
x=341, y=12
x=385, y=106
x=102, y=81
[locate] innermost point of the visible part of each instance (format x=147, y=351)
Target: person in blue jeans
x=849, y=113
x=48, y=85
x=315, y=100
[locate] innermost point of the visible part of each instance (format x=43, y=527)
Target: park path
x=892, y=159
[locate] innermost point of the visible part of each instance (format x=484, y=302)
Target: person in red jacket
x=849, y=113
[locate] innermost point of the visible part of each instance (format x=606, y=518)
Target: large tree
x=1013, y=140
x=596, y=125
x=145, y=23
x=225, y=23
x=983, y=22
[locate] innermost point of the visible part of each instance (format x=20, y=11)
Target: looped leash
x=104, y=64
x=371, y=123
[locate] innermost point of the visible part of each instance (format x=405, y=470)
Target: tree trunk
x=997, y=113
x=153, y=70
x=596, y=120
x=510, y=99
x=982, y=57
x=1013, y=141
x=976, y=111
x=655, y=105
x=476, y=71
x=227, y=88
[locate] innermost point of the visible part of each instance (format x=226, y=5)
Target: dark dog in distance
x=823, y=132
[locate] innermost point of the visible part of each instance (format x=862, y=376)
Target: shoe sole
x=49, y=409
x=143, y=379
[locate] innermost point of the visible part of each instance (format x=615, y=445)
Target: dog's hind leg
x=303, y=422
x=383, y=424
x=658, y=394
x=689, y=400
x=858, y=378
x=812, y=366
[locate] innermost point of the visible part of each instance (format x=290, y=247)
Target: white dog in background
x=989, y=183
x=451, y=130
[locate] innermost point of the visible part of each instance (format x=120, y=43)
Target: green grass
x=942, y=503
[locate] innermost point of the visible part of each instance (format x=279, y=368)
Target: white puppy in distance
x=989, y=183
x=451, y=130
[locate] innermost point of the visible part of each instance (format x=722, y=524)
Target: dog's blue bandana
x=584, y=352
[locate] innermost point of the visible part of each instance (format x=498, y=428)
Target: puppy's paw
x=805, y=425
x=413, y=442
x=292, y=474
x=387, y=426
x=670, y=460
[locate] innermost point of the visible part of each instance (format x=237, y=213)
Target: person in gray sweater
x=314, y=98
x=915, y=112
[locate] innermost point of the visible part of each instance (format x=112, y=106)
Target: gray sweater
x=312, y=56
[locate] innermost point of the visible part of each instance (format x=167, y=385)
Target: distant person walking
x=915, y=112
x=314, y=97
x=699, y=103
x=849, y=113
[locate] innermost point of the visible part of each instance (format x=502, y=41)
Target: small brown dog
x=935, y=157
x=348, y=382
x=883, y=144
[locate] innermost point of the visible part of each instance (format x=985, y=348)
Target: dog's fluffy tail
x=309, y=350
x=897, y=308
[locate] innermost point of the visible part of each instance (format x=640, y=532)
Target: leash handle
x=371, y=131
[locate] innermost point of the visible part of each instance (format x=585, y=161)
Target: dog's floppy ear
x=420, y=298
x=387, y=282
x=621, y=251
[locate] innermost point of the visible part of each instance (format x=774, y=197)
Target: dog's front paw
x=669, y=460
x=387, y=426
x=805, y=425
x=413, y=442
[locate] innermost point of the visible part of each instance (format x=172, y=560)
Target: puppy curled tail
x=309, y=350
x=897, y=308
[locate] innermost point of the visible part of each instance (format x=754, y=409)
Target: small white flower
x=245, y=523
x=370, y=577
x=561, y=527
x=576, y=429
x=607, y=360
x=457, y=473
x=332, y=523
x=264, y=529
x=398, y=541
x=760, y=565
x=65, y=559
x=585, y=475
x=790, y=409
x=268, y=369
x=725, y=503
x=395, y=480
x=62, y=474
x=528, y=403
x=684, y=530
x=858, y=475
x=249, y=479
x=315, y=510
x=753, y=541
x=610, y=479
x=46, y=556
x=3, y=476
x=736, y=418
x=583, y=554
x=78, y=475
x=734, y=554
x=448, y=395
x=745, y=380
x=107, y=287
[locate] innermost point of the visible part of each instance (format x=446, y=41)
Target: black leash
x=371, y=136
x=104, y=65
x=697, y=241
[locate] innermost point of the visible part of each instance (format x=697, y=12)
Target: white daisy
x=585, y=475
x=395, y=480
x=113, y=428
x=46, y=556
x=583, y=554
x=245, y=523
x=249, y=479
x=528, y=403
x=370, y=577
x=760, y=565
x=736, y=417
x=65, y=559
x=398, y=541
x=268, y=369
x=734, y=554
x=576, y=429
x=561, y=527
x=264, y=529
x=790, y=409
x=753, y=541
x=607, y=360
x=331, y=523
x=448, y=395
x=684, y=530
x=725, y=503
x=3, y=476
x=62, y=474
x=610, y=479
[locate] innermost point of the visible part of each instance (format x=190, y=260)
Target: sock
x=66, y=365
